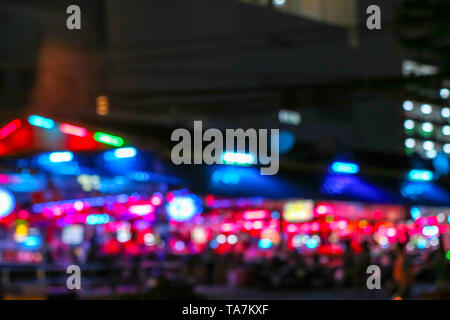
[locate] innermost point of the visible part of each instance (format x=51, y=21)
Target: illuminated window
x=289, y=117
x=414, y=68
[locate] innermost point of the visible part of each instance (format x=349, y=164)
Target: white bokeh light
x=426, y=109
x=446, y=148
x=428, y=145
x=431, y=154
x=409, y=124
x=408, y=105
x=444, y=93
x=410, y=143
x=7, y=202
x=427, y=126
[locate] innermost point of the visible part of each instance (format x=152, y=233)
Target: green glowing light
x=108, y=139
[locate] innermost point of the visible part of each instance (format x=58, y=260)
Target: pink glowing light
x=255, y=214
x=10, y=128
x=156, y=199
x=141, y=209
x=324, y=209
x=73, y=130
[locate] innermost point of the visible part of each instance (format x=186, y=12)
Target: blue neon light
x=7, y=202
x=238, y=181
x=41, y=122
x=264, y=243
x=183, y=208
x=312, y=243
x=213, y=244
x=425, y=191
x=92, y=202
x=415, y=213
x=125, y=152
x=32, y=242
x=64, y=156
x=420, y=175
x=275, y=215
x=355, y=187
x=345, y=167
x=120, y=153
x=94, y=219
x=238, y=158
x=286, y=141
x=421, y=244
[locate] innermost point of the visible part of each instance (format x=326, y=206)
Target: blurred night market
x=86, y=176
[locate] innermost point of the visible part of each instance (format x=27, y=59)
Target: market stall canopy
x=35, y=133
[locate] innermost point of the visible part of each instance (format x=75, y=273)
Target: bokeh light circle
x=7, y=202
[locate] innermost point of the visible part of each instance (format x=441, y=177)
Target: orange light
x=255, y=214
x=102, y=105
x=363, y=224
x=72, y=130
x=227, y=227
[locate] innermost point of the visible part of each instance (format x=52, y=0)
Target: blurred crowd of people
x=400, y=270
x=168, y=274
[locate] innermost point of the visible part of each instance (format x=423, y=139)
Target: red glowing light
x=330, y=249
x=10, y=128
x=377, y=214
x=315, y=226
x=77, y=143
x=209, y=200
x=170, y=196
x=22, y=139
x=427, y=221
x=132, y=248
x=73, y=130
x=112, y=226
x=23, y=214
x=112, y=246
